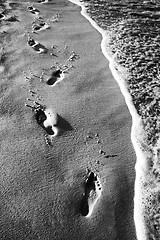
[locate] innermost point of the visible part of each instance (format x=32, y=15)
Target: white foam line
x=140, y=166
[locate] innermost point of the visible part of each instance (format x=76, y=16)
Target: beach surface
x=42, y=177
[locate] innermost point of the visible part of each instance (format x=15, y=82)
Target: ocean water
x=131, y=42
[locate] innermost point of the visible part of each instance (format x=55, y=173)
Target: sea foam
x=137, y=132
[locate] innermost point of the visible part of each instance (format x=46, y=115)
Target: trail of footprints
x=52, y=123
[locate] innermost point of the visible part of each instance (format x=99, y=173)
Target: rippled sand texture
x=134, y=45
x=62, y=116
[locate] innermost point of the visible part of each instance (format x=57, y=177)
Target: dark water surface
x=135, y=40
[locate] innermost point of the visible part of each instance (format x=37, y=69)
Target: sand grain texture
x=42, y=187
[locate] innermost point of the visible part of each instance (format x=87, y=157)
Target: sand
x=42, y=186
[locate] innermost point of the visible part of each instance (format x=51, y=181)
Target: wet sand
x=42, y=185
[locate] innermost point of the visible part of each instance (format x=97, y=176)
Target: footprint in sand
x=42, y=1
x=55, y=122
x=33, y=10
x=38, y=47
x=55, y=77
x=50, y=121
x=46, y=118
x=39, y=27
x=93, y=190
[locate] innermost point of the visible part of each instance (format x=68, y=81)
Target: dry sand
x=42, y=187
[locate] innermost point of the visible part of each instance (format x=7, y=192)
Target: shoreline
x=141, y=165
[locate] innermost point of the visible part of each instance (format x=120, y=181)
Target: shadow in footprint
x=2, y=16
x=54, y=77
x=40, y=116
x=51, y=81
x=84, y=208
x=33, y=10
x=31, y=42
x=12, y=19
x=36, y=27
x=49, y=130
x=88, y=187
x=108, y=156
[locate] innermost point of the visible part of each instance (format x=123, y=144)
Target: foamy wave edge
x=141, y=161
